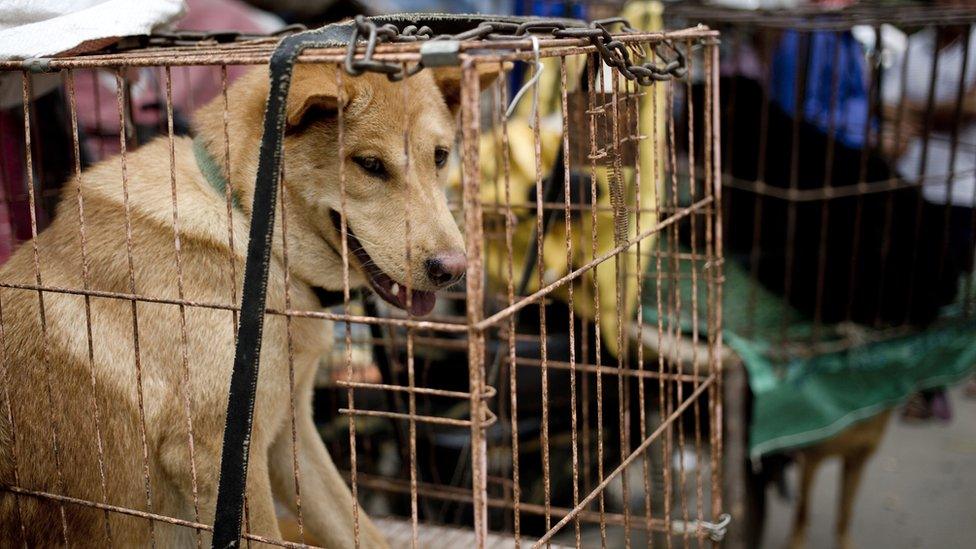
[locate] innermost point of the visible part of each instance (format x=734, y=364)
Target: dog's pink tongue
x=421, y=303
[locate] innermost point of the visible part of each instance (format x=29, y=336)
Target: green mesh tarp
x=799, y=397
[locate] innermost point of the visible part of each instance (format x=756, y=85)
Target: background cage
x=844, y=253
x=582, y=420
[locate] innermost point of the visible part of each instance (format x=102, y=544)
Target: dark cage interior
x=818, y=207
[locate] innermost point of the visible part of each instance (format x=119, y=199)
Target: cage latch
x=715, y=530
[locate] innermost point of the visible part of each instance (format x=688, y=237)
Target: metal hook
x=531, y=83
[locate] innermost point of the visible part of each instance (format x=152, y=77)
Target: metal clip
x=440, y=53
x=37, y=64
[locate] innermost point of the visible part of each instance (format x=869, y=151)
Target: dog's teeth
x=395, y=288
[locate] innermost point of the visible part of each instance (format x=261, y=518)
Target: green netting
x=801, y=398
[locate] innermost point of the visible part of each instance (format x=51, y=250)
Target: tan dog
x=854, y=445
x=71, y=391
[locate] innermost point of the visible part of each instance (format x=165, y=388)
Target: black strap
x=243, y=381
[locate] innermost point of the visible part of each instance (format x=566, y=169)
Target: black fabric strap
x=244, y=378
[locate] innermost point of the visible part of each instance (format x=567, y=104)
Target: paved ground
x=918, y=491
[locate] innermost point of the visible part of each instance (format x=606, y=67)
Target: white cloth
x=892, y=38
x=42, y=28
x=938, y=170
x=755, y=4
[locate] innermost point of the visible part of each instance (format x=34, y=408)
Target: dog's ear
x=449, y=80
x=314, y=94
x=317, y=106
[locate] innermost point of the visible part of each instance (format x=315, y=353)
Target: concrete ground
x=919, y=490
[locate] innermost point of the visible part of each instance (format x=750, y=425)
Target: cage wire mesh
x=848, y=166
x=858, y=209
x=548, y=399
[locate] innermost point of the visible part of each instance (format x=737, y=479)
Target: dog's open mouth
x=420, y=303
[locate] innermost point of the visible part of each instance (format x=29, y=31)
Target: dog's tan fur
x=855, y=446
x=52, y=370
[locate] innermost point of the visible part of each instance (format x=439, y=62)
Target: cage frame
x=476, y=324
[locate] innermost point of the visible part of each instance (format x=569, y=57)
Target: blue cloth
x=555, y=8
x=851, y=108
x=541, y=8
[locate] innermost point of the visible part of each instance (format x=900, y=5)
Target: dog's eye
x=440, y=156
x=371, y=165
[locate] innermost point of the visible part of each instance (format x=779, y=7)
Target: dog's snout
x=446, y=268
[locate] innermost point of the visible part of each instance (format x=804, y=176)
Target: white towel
x=43, y=28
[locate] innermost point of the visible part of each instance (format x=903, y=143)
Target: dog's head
x=396, y=142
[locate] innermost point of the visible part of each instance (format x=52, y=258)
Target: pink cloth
x=11, y=182
x=96, y=99
x=98, y=112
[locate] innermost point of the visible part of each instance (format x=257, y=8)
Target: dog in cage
x=115, y=378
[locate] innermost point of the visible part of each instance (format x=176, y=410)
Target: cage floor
x=400, y=533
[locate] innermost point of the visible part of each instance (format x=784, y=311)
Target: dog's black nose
x=446, y=268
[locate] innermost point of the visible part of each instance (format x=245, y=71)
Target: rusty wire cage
x=543, y=401
x=798, y=184
x=847, y=160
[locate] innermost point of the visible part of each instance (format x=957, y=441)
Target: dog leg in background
x=326, y=500
x=809, y=462
x=855, y=446
x=864, y=440
x=853, y=472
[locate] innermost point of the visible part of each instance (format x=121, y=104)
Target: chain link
x=667, y=63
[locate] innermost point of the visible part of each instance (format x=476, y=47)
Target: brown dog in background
x=855, y=446
x=73, y=419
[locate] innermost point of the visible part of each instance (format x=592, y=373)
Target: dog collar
x=328, y=298
x=211, y=171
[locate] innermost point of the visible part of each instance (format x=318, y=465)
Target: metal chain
x=668, y=62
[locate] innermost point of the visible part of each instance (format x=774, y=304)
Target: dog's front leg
x=327, y=504
x=260, y=499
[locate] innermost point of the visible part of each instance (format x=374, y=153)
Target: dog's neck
x=212, y=172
